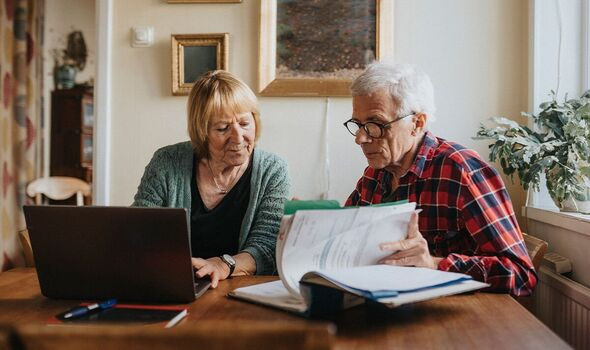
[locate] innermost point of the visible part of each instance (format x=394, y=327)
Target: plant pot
x=568, y=205
x=577, y=204
x=583, y=206
x=65, y=77
x=582, y=201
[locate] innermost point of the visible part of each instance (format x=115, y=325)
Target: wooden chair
x=53, y=187
x=25, y=242
x=208, y=335
x=58, y=188
x=536, y=248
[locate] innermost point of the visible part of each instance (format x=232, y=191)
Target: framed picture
x=195, y=54
x=201, y=1
x=317, y=47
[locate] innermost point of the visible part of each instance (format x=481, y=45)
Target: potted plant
x=557, y=146
x=67, y=62
x=64, y=70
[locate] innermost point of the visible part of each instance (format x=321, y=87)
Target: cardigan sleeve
x=262, y=237
x=151, y=191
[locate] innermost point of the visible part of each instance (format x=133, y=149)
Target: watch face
x=229, y=259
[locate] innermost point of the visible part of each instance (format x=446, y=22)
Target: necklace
x=219, y=188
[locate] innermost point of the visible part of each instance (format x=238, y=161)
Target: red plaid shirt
x=466, y=217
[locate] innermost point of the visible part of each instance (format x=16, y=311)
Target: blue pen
x=83, y=310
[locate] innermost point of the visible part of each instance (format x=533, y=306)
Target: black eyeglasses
x=375, y=130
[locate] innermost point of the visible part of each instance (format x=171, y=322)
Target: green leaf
x=583, y=111
x=558, y=146
x=506, y=121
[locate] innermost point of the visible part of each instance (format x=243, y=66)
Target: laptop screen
x=128, y=253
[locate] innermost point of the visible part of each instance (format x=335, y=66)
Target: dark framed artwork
x=317, y=47
x=195, y=54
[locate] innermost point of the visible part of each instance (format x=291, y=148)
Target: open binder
x=327, y=261
x=322, y=294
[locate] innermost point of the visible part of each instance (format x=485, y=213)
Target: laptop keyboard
x=201, y=286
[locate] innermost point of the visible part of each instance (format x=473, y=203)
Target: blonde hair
x=217, y=92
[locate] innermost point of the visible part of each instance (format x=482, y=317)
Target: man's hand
x=215, y=268
x=412, y=251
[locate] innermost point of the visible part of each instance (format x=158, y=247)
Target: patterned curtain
x=21, y=82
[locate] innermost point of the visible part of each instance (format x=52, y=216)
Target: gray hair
x=410, y=88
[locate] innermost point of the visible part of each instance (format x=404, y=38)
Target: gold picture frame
x=270, y=84
x=202, y=1
x=195, y=54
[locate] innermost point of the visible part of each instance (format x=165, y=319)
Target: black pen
x=83, y=310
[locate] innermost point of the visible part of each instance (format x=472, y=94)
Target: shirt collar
x=425, y=153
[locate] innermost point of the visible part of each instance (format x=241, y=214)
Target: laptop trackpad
x=201, y=285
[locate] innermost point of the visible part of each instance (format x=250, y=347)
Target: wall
x=61, y=18
x=474, y=51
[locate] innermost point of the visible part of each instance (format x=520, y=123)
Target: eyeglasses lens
x=352, y=127
x=373, y=130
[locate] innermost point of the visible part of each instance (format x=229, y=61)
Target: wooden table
x=480, y=320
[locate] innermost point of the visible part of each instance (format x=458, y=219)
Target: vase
x=583, y=206
x=580, y=203
x=65, y=77
x=567, y=205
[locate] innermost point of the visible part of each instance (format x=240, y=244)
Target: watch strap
x=232, y=266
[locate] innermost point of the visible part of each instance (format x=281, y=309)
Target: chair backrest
x=53, y=187
x=25, y=242
x=58, y=188
x=536, y=248
x=208, y=335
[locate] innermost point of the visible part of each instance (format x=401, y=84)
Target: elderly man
x=467, y=223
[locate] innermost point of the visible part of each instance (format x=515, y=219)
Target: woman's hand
x=412, y=251
x=215, y=268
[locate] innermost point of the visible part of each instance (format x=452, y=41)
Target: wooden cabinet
x=72, y=122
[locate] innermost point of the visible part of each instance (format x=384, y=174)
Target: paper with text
x=332, y=239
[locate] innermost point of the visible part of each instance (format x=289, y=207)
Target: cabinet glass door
x=87, y=149
x=87, y=114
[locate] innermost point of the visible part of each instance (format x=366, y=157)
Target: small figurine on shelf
x=69, y=61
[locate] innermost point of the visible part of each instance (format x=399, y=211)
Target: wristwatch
x=231, y=263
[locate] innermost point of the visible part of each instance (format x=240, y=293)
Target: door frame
x=102, y=101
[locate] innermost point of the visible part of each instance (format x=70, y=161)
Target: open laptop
x=134, y=254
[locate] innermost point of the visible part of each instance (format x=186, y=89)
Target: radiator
x=564, y=306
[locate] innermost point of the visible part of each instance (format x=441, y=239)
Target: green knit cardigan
x=166, y=182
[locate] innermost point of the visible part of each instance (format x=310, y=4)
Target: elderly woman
x=467, y=223
x=234, y=192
